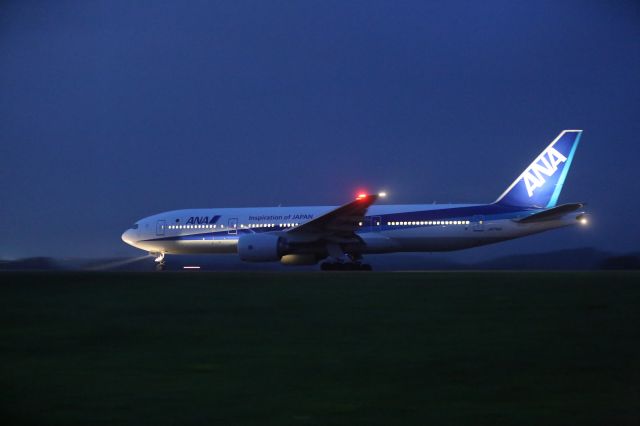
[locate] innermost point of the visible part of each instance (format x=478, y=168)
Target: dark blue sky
x=110, y=111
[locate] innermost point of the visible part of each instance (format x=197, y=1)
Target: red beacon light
x=361, y=196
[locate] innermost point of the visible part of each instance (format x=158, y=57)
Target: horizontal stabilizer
x=552, y=213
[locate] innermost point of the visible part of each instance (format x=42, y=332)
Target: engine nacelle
x=260, y=247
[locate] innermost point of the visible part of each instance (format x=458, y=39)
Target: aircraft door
x=233, y=226
x=160, y=227
x=375, y=223
x=477, y=223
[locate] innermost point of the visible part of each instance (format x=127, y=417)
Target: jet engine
x=261, y=247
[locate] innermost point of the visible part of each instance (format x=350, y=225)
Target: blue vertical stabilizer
x=540, y=184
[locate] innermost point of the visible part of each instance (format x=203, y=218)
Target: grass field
x=320, y=349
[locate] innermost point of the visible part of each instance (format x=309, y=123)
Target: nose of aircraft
x=127, y=237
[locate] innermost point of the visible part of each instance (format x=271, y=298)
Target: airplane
x=339, y=236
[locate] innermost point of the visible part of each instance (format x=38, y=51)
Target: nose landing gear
x=160, y=262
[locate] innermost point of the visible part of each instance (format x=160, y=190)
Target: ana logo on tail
x=546, y=164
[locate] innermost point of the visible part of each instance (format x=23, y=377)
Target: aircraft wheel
x=350, y=266
x=160, y=266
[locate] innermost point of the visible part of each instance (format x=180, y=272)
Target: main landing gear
x=345, y=266
x=160, y=262
x=343, y=261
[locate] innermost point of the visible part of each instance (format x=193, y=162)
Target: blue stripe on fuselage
x=488, y=211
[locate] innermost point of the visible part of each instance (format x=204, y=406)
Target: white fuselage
x=385, y=229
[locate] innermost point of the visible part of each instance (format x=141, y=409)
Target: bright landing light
x=382, y=194
x=584, y=221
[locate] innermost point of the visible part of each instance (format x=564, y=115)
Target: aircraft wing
x=340, y=222
x=550, y=214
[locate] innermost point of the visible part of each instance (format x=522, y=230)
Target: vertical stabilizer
x=540, y=184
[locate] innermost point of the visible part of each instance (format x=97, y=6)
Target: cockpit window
x=135, y=226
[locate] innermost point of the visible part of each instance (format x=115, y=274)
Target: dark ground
x=316, y=349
